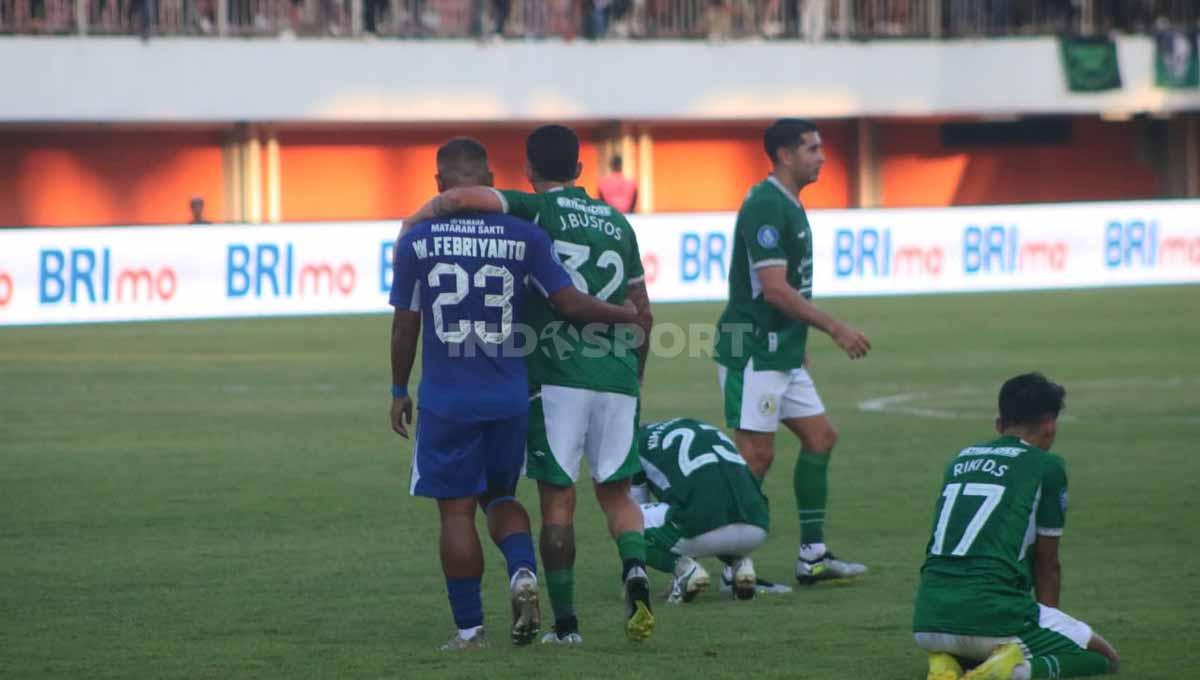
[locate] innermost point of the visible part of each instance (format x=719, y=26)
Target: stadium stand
x=594, y=19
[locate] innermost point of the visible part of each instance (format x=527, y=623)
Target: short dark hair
x=785, y=133
x=615, y=163
x=553, y=151
x=1030, y=398
x=463, y=159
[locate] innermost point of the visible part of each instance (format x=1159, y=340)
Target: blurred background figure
x=197, y=207
x=616, y=189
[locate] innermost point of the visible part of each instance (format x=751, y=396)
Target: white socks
x=469, y=633
x=812, y=551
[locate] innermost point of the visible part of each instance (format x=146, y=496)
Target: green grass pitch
x=225, y=499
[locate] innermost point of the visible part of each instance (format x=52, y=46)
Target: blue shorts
x=462, y=458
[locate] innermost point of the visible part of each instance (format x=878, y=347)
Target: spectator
x=500, y=10
x=718, y=20
x=595, y=18
x=616, y=189
x=197, y=206
x=814, y=20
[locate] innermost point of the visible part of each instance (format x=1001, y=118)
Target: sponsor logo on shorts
x=768, y=236
x=766, y=405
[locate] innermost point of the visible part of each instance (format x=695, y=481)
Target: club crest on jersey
x=767, y=405
x=768, y=236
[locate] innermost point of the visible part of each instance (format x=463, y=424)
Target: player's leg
x=804, y=414
x=733, y=543
x=462, y=565
x=610, y=447
x=557, y=546
x=689, y=579
x=448, y=465
x=751, y=400
x=1063, y=647
x=557, y=423
x=508, y=523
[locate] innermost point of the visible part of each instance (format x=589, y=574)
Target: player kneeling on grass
x=462, y=278
x=709, y=505
x=995, y=537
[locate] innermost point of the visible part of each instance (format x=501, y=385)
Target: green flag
x=1090, y=63
x=1175, y=62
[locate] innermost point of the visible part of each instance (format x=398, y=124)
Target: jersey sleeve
x=760, y=225
x=634, y=273
x=520, y=204
x=544, y=266
x=406, y=280
x=1052, y=508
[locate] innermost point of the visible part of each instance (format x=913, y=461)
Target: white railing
x=594, y=19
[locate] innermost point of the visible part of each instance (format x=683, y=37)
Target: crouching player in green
x=996, y=530
x=709, y=505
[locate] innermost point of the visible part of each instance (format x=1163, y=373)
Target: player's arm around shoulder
x=550, y=275
x=458, y=200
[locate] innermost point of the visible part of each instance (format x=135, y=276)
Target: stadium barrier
x=52, y=276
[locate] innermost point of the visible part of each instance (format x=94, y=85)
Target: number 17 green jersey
x=996, y=498
x=599, y=250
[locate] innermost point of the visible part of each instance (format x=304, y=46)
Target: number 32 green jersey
x=600, y=251
x=996, y=498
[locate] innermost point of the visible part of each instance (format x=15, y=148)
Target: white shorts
x=977, y=647
x=568, y=424
x=758, y=400
x=731, y=539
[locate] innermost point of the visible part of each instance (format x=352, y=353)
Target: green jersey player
x=709, y=504
x=996, y=529
x=762, y=338
x=584, y=380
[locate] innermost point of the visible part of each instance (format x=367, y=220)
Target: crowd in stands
x=813, y=20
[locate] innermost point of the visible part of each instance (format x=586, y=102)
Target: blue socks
x=465, y=602
x=518, y=552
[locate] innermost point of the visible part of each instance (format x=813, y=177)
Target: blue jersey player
x=463, y=279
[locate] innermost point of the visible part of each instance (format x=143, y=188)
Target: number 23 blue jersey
x=467, y=276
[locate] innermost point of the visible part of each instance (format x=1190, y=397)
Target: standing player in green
x=709, y=505
x=762, y=338
x=996, y=530
x=584, y=380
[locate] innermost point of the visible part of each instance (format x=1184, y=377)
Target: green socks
x=561, y=584
x=658, y=548
x=810, y=481
x=1072, y=665
x=632, y=547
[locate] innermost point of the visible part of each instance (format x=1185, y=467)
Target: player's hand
x=852, y=342
x=402, y=415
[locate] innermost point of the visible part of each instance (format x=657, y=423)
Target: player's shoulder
x=762, y=198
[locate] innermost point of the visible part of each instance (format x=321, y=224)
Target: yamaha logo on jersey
x=1062, y=501
x=766, y=405
x=768, y=236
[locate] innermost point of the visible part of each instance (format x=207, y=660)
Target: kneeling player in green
x=996, y=531
x=710, y=505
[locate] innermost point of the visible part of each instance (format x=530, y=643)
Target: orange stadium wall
x=365, y=174
x=94, y=176
x=703, y=168
x=100, y=176
x=1101, y=161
